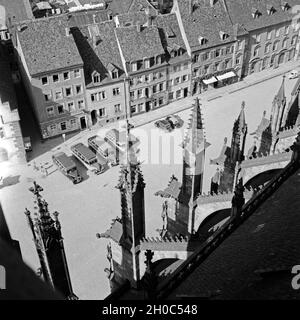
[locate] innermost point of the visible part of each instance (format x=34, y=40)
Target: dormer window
x=255, y=13
x=147, y=63
x=285, y=6
x=202, y=40
x=158, y=60
x=96, y=77
x=224, y=35
x=271, y=10
x=109, y=15
x=115, y=74
x=134, y=66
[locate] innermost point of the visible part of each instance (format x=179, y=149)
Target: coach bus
x=118, y=140
x=67, y=166
x=104, y=149
x=88, y=158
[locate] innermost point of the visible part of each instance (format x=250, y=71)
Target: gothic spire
x=280, y=97
x=46, y=230
x=194, y=140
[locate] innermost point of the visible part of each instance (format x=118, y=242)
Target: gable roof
x=47, y=47
x=17, y=10
x=99, y=52
x=207, y=22
x=241, y=11
x=170, y=34
x=136, y=45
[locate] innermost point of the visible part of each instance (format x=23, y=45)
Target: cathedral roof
x=115, y=232
x=264, y=124
x=173, y=189
x=225, y=153
x=265, y=245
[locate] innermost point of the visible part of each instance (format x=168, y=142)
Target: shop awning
x=210, y=80
x=226, y=75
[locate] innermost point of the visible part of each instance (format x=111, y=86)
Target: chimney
x=139, y=27
x=212, y=2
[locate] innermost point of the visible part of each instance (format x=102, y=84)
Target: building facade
x=104, y=72
x=52, y=71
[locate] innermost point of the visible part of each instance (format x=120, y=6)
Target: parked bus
x=67, y=166
x=118, y=139
x=104, y=149
x=88, y=158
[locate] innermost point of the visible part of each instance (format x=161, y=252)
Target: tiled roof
x=207, y=22
x=140, y=5
x=241, y=12
x=136, y=45
x=47, y=47
x=170, y=32
x=132, y=19
x=17, y=10
x=83, y=18
x=119, y=6
x=267, y=243
x=100, y=55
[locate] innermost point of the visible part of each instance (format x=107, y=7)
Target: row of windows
x=146, y=78
x=211, y=68
x=137, y=108
x=65, y=107
x=60, y=77
x=102, y=111
x=180, y=67
x=63, y=126
x=177, y=95
x=97, y=78
x=145, y=92
x=277, y=33
x=178, y=80
x=213, y=54
x=66, y=92
x=275, y=46
x=101, y=95
x=147, y=63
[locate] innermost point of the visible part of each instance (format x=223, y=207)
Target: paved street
x=87, y=208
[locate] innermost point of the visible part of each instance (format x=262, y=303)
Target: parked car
x=176, y=121
x=293, y=74
x=165, y=125
x=67, y=166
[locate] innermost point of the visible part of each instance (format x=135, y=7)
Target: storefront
x=217, y=80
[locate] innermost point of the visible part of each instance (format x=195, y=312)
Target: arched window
x=267, y=47
x=256, y=51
